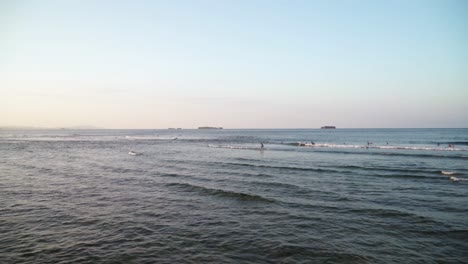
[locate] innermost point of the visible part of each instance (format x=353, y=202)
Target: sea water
x=217, y=196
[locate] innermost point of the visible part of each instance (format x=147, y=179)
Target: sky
x=235, y=64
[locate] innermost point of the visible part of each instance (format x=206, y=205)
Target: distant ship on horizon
x=208, y=127
x=328, y=127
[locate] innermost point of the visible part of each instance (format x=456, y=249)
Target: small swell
x=402, y=176
x=219, y=192
x=461, y=234
x=169, y=175
x=395, y=154
x=119, y=169
x=393, y=213
x=277, y=167
x=275, y=184
x=463, y=143
x=388, y=169
x=246, y=159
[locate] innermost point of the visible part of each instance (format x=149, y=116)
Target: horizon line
x=196, y=128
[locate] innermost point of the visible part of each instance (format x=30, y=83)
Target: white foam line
x=325, y=145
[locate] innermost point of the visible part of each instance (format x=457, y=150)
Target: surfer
x=312, y=143
x=261, y=145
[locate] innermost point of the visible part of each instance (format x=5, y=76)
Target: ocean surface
x=216, y=196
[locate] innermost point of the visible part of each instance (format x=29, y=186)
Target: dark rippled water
x=213, y=196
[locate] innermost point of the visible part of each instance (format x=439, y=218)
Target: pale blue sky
x=236, y=64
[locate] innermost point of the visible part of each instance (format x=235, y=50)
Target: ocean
x=216, y=196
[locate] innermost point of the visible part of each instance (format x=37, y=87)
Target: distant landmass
x=208, y=127
x=328, y=127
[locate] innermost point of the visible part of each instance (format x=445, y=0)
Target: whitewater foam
x=448, y=172
x=389, y=147
x=235, y=147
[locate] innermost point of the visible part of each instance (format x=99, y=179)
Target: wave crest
x=220, y=193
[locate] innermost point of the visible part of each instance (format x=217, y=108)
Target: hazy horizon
x=234, y=64
x=196, y=128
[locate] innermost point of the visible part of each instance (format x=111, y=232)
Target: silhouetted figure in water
x=312, y=143
x=438, y=144
x=261, y=145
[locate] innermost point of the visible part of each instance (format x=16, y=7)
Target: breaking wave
x=236, y=147
x=391, y=147
x=448, y=172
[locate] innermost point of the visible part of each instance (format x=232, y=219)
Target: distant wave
x=443, y=143
x=381, y=212
x=219, y=192
x=402, y=176
x=374, y=152
x=235, y=147
x=353, y=146
x=156, y=137
x=275, y=167
x=403, y=170
x=247, y=159
x=275, y=184
x=457, y=143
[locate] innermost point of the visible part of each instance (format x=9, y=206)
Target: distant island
x=208, y=127
x=328, y=127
